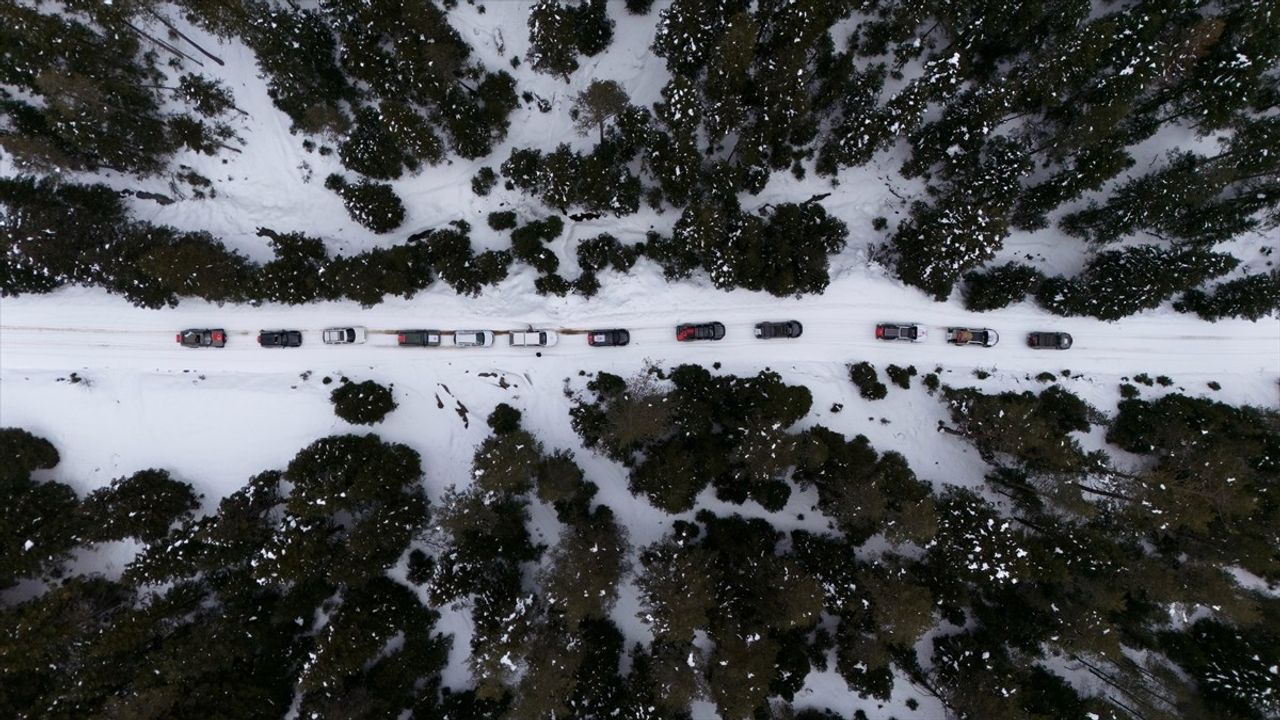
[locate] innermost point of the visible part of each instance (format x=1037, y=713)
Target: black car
x=1049, y=340
x=203, y=338
x=418, y=338
x=608, y=338
x=771, y=330
x=699, y=331
x=280, y=338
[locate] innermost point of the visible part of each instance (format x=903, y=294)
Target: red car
x=699, y=331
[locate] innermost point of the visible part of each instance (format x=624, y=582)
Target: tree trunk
x=180, y=34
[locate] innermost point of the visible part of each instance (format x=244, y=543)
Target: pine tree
x=364, y=403
x=373, y=205
x=1251, y=296
x=602, y=101
x=553, y=46
x=1117, y=283
x=143, y=506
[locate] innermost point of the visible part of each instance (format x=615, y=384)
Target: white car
x=345, y=336
x=533, y=338
x=473, y=338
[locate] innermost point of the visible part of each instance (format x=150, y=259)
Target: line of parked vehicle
x=617, y=337
x=983, y=337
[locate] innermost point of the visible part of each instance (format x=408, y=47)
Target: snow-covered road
x=86, y=329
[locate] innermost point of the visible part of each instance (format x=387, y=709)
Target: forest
x=1118, y=561
x=318, y=586
x=1038, y=126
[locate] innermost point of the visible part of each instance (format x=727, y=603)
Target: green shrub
x=863, y=375
x=483, y=181
x=362, y=403
x=373, y=205
x=502, y=220
x=901, y=376
x=1000, y=286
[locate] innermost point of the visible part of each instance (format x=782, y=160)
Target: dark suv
x=608, y=338
x=700, y=331
x=1049, y=340
x=280, y=338
x=203, y=338
x=771, y=330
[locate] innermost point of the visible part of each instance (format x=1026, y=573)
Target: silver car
x=344, y=336
x=473, y=338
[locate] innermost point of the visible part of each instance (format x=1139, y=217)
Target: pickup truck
x=533, y=338
x=418, y=338
x=972, y=336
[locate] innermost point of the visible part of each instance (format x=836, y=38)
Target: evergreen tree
x=1251, y=296
x=143, y=506
x=373, y=205
x=602, y=101
x=553, y=42
x=1117, y=283
x=999, y=286
x=364, y=403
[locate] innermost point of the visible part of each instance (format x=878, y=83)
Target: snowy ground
x=215, y=417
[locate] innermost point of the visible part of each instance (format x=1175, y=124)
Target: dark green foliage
x=208, y=639
x=863, y=375
x=1033, y=430
x=350, y=670
x=597, y=182
x=553, y=38
x=784, y=254
x=296, y=51
x=421, y=567
x=639, y=7
x=450, y=254
x=602, y=101
x=1117, y=283
x=504, y=419
x=95, y=100
x=484, y=181
x=527, y=243
x=558, y=33
x=39, y=524
x=373, y=205
x=1231, y=667
x=143, y=506
x=1192, y=197
x=552, y=284
x=65, y=233
x=1210, y=463
x=502, y=220
x=604, y=251
x=931, y=382
x=690, y=583
x=967, y=226
x=355, y=504
x=864, y=491
x=297, y=273
x=363, y=403
x=999, y=286
x=592, y=28
x=1252, y=296
x=901, y=376
x=721, y=430
x=24, y=453
x=371, y=150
